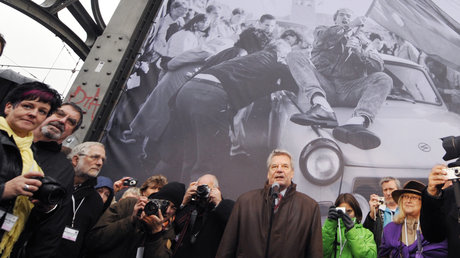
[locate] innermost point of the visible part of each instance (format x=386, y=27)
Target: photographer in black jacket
x=439, y=216
x=202, y=218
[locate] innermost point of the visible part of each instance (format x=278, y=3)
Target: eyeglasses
x=94, y=157
x=411, y=197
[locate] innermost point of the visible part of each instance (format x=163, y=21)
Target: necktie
x=278, y=201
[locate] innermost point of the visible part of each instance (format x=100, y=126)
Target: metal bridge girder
x=47, y=15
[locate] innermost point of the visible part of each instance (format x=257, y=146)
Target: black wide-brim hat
x=412, y=186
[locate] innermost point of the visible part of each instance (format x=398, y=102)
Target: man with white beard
x=87, y=159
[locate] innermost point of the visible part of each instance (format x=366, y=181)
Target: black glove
x=332, y=214
x=347, y=221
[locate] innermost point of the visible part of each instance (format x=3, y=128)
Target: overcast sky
x=29, y=44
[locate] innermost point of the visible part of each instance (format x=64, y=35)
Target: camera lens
x=449, y=144
x=50, y=192
x=457, y=172
x=151, y=208
x=56, y=195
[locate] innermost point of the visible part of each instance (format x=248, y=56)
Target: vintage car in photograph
x=410, y=124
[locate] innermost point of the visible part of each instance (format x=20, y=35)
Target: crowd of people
x=57, y=205
x=54, y=203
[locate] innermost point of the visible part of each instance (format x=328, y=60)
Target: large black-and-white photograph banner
x=354, y=90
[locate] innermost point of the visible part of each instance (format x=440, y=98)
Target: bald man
x=201, y=219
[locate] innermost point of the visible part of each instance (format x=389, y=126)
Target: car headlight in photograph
x=321, y=161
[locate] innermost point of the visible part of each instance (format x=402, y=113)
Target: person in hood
x=105, y=189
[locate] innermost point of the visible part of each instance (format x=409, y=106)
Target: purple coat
x=392, y=246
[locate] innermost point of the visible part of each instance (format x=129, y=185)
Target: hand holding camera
x=215, y=196
x=349, y=223
x=22, y=185
x=340, y=212
x=191, y=190
x=139, y=207
x=154, y=222
x=333, y=214
x=123, y=183
x=437, y=177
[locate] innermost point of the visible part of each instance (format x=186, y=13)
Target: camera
x=381, y=200
x=154, y=205
x=202, y=193
x=450, y=144
x=51, y=192
x=130, y=182
x=453, y=173
x=341, y=208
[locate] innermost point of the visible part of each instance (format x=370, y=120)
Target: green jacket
x=356, y=242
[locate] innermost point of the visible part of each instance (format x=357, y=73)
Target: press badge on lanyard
x=71, y=233
x=9, y=221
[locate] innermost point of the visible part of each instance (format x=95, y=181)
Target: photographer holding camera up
x=440, y=214
x=139, y=227
x=439, y=217
x=343, y=235
x=202, y=218
x=382, y=211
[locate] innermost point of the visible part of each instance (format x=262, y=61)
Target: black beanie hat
x=173, y=192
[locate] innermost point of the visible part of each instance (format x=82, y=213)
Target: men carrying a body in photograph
x=295, y=229
x=207, y=103
x=345, y=75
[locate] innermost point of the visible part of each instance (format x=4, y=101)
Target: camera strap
x=192, y=223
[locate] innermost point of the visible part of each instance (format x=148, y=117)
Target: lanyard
x=405, y=228
x=75, y=210
x=342, y=246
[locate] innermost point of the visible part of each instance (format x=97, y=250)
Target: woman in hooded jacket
x=343, y=233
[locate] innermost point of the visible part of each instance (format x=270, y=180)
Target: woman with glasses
x=343, y=233
x=403, y=237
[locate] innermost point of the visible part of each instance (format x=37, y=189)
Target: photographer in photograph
x=138, y=227
x=343, y=234
x=202, y=218
x=440, y=214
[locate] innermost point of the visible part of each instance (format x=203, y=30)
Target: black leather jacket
x=11, y=167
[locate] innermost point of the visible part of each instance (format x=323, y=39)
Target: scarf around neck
x=22, y=205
